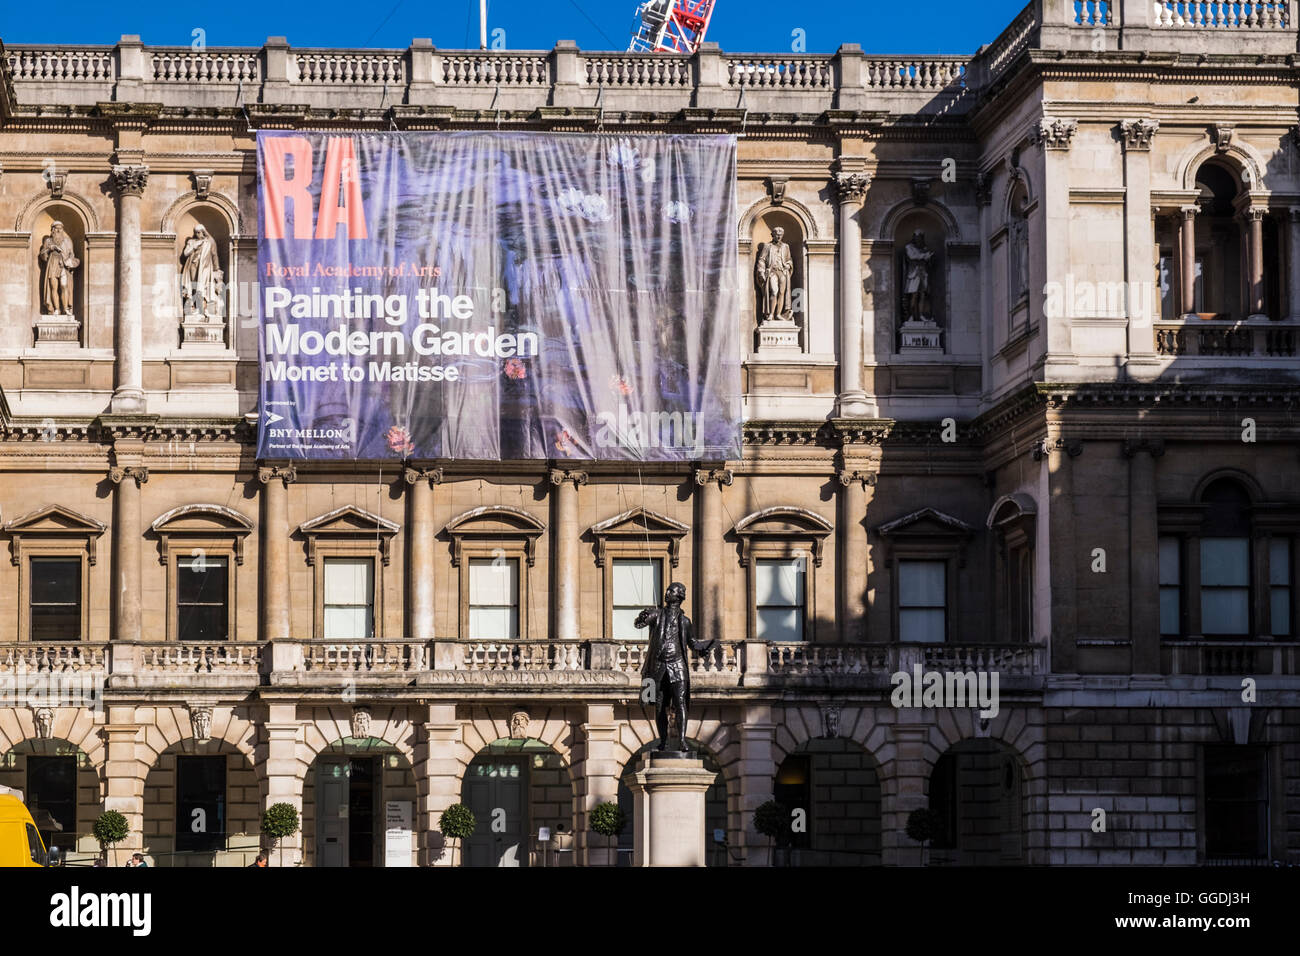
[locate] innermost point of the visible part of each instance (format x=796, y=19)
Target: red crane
x=671, y=26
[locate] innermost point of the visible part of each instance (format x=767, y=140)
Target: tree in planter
x=457, y=823
x=110, y=828
x=923, y=826
x=609, y=820
x=772, y=819
x=279, y=821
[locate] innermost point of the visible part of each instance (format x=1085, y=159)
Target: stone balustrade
x=31, y=657
x=1231, y=658
x=1222, y=339
x=1223, y=14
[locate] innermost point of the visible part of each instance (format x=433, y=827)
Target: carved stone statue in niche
x=200, y=272
x=917, y=284
x=773, y=271
x=58, y=259
x=1018, y=235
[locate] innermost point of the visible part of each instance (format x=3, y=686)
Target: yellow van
x=20, y=841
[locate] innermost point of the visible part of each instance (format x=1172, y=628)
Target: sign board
x=544, y=835
x=397, y=833
x=498, y=295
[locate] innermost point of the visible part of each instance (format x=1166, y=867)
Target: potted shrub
x=457, y=823
x=772, y=819
x=110, y=828
x=922, y=826
x=279, y=821
x=609, y=820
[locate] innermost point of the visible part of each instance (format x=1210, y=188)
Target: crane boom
x=671, y=26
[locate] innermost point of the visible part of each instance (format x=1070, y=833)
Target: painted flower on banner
x=399, y=440
x=564, y=442
x=515, y=369
x=592, y=207
x=619, y=385
x=677, y=211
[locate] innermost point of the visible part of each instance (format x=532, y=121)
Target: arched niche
x=921, y=237
x=50, y=328
x=204, y=327
x=780, y=321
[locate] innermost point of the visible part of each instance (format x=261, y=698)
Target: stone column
x=128, y=395
x=1139, y=239
x=1064, y=550
x=1144, y=555
x=858, y=487
x=1293, y=263
x=851, y=191
x=124, y=776
x=709, y=601
x=438, y=782
x=419, y=551
x=284, y=776
x=600, y=770
x=566, y=573
x=757, y=769
x=911, y=735
x=127, y=534
x=1054, y=135
x=274, y=539
x=1187, y=260
x=1255, y=259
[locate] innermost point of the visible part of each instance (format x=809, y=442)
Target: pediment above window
x=53, y=521
x=198, y=527
x=500, y=523
x=1013, y=517
x=925, y=523
x=348, y=523
x=784, y=524
x=638, y=525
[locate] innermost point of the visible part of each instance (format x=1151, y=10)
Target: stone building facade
x=1053, y=442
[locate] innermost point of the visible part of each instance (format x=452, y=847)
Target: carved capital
x=1190, y=211
x=1045, y=446
x=202, y=183
x=776, y=188
x=1138, y=133
x=118, y=474
x=412, y=474
x=867, y=478
x=1155, y=447
x=1254, y=213
x=983, y=188
x=1053, y=133
x=130, y=180
x=851, y=187
x=1222, y=136
x=559, y=476
x=286, y=473
x=723, y=476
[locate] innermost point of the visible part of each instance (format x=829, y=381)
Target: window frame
x=471, y=561
x=632, y=554
x=783, y=533
x=348, y=532
x=53, y=532
x=927, y=535
x=208, y=530
x=31, y=604
x=491, y=532
x=323, y=561
x=792, y=554
x=636, y=534
x=946, y=607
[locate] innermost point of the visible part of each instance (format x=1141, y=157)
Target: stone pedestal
x=778, y=336
x=668, y=811
x=58, y=330
x=203, y=332
x=923, y=335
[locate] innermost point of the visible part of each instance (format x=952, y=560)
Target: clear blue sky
x=896, y=26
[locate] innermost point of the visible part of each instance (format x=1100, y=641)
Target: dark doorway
x=52, y=799
x=361, y=811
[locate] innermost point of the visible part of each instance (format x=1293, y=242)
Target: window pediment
x=199, y=525
x=54, y=521
x=786, y=524
x=348, y=522
x=1013, y=517
x=928, y=522
x=638, y=525
x=494, y=523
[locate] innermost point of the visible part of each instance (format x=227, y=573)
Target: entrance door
x=495, y=793
x=332, y=807
x=361, y=812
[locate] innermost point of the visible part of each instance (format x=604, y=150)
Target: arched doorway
x=977, y=791
x=516, y=788
x=836, y=783
x=61, y=788
x=353, y=787
x=715, y=807
x=201, y=806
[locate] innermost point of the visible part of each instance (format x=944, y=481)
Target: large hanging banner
x=498, y=296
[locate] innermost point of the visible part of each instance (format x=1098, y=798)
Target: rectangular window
x=922, y=601
x=202, y=598
x=52, y=798
x=56, y=599
x=1225, y=586
x=779, y=589
x=200, y=803
x=494, y=599
x=637, y=585
x=1279, y=586
x=1236, y=802
x=1171, y=590
x=349, y=599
